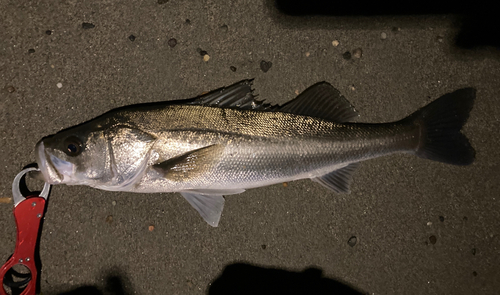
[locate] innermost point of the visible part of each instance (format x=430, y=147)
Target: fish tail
x=440, y=123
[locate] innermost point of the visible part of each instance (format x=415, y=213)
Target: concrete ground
x=420, y=227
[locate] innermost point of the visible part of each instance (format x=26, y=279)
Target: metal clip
x=28, y=216
x=17, y=196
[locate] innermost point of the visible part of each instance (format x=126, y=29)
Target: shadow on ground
x=115, y=283
x=476, y=21
x=242, y=279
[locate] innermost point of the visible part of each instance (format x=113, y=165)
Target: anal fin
x=338, y=180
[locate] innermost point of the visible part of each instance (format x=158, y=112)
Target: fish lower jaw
x=49, y=173
x=41, y=161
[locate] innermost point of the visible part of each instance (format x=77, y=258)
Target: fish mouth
x=46, y=166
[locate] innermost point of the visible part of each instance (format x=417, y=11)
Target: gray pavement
x=421, y=227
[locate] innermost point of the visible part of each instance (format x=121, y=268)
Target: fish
x=226, y=141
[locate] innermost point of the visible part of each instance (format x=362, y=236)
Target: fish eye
x=72, y=146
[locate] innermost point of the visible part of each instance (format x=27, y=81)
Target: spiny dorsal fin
x=321, y=100
x=338, y=180
x=238, y=96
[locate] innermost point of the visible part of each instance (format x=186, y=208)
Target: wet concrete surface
x=409, y=226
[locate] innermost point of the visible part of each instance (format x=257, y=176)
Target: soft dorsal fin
x=238, y=96
x=321, y=100
x=338, y=180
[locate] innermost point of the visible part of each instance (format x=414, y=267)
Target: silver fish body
x=226, y=142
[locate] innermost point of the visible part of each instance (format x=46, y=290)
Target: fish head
x=102, y=153
x=74, y=156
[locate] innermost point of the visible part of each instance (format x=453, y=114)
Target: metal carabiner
x=28, y=214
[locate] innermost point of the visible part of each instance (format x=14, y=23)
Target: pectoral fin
x=209, y=206
x=190, y=165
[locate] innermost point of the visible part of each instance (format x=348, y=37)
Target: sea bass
x=226, y=141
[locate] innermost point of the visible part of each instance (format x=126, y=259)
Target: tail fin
x=440, y=123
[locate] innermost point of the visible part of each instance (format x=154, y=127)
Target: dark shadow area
x=116, y=283
x=478, y=29
x=367, y=8
x=476, y=21
x=242, y=279
x=84, y=290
